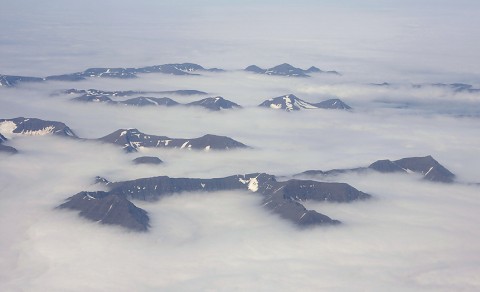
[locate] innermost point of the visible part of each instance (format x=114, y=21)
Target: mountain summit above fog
x=290, y=102
x=133, y=139
x=111, y=72
x=426, y=166
x=287, y=70
x=280, y=198
x=34, y=126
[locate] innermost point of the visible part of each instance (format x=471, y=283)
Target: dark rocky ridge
x=287, y=70
x=129, y=139
x=34, y=126
x=332, y=104
x=108, y=208
x=214, y=103
x=290, y=102
x=132, y=139
x=426, y=166
x=5, y=148
x=147, y=160
x=122, y=73
x=11, y=80
x=281, y=198
x=130, y=92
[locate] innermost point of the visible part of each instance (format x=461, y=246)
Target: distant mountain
x=287, y=70
x=4, y=148
x=426, y=166
x=281, y=198
x=290, y=102
x=34, y=126
x=333, y=104
x=147, y=160
x=176, y=69
x=121, y=73
x=132, y=140
x=108, y=208
x=94, y=98
x=130, y=92
x=10, y=80
x=214, y=103
x=456, y=87
x=149, y=101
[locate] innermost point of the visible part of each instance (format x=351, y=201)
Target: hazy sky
x=412, y=236
x=365, y=37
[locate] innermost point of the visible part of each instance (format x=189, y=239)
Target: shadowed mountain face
x=426, y=166
x=10, y=81
x=214, y=103
x=147, y=160
x=34, y=126
x=4, y=148
x=281, y=198
x=132, y=139
x=290, y=102
x=108, y=208
x=287, y=70
x=332, y=104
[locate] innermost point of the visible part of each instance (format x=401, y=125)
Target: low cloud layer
x=413, y=235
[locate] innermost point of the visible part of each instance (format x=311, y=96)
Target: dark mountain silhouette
x=34, y=126
x=108, y=208
x=426, y=166
x=281, y=198
x=214, y=103
x=287, y=70
x=132, y=139
x=5, y=148
x=147, y=160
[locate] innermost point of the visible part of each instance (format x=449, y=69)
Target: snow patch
x=276, y=106
x=7, y=128
x=184, y=145
x=41, y=132
x=288, y=102
x=428, y=171
x=253, y=184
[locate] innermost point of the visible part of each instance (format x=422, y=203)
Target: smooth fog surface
x=411, y=236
